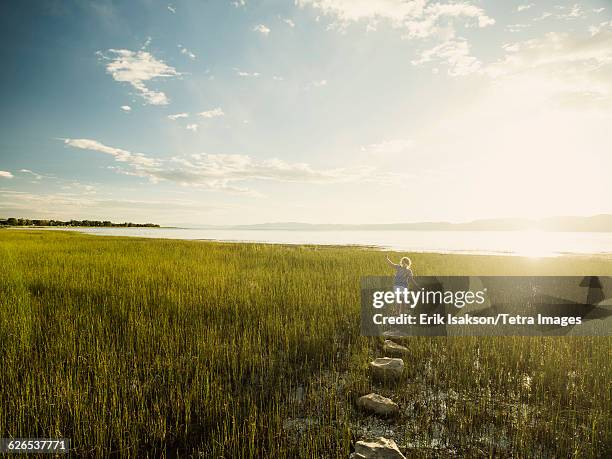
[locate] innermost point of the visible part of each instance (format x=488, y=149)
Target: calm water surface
x=523, y=243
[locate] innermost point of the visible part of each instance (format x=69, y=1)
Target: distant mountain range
x=596, y=223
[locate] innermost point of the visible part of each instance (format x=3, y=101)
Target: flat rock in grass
x=393, y=334
x=393, y=349
x=387, y=368
x=378, y=404
x=381, y=448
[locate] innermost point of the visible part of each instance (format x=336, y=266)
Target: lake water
x=521, y=243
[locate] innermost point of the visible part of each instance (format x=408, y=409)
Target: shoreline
x=380, y=248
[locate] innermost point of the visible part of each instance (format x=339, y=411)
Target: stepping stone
x=378, y=404
x=387, y=368
x=393, y=334
x=395, y=350
x=381, y=448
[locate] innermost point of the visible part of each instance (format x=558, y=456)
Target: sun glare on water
x=534, y=243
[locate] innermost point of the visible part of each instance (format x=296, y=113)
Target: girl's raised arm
x=390, y=262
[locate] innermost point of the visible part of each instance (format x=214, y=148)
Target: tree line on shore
x=106, y=223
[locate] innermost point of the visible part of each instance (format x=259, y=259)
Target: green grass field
x=140, y=347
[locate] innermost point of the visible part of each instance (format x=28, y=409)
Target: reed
x=139, y=347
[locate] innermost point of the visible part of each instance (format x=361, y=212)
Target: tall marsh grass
x=138, y=347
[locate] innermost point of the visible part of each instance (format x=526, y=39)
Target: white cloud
x=80, y=187
x=136, y=68
x=277, y=78
x=218, y=172
x=262, y=29
x=214, y=113
x=574, y=13
x=318, y=83
x=192, y=127
x=599, y=10
x=34, y=174
x=146, y=43
x=176, y=116
x=393, y=146
x=289, y=22
x=126, y=108
x=355, y=10
x=511, y=47
x=514, y=28
x=136, y=160
x=524, y=7
x=543, y=16
x=186, y=52
x=420, y=18
x=570, y=68
x=460, y=10
x=565, y=13
x=172, y=9
x=594, y=30
x=455, y=54
x=6, y=174
x=246, y=74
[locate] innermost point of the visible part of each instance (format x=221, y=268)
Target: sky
x=198, y=112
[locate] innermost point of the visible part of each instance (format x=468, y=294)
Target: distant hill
x=596, y=223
